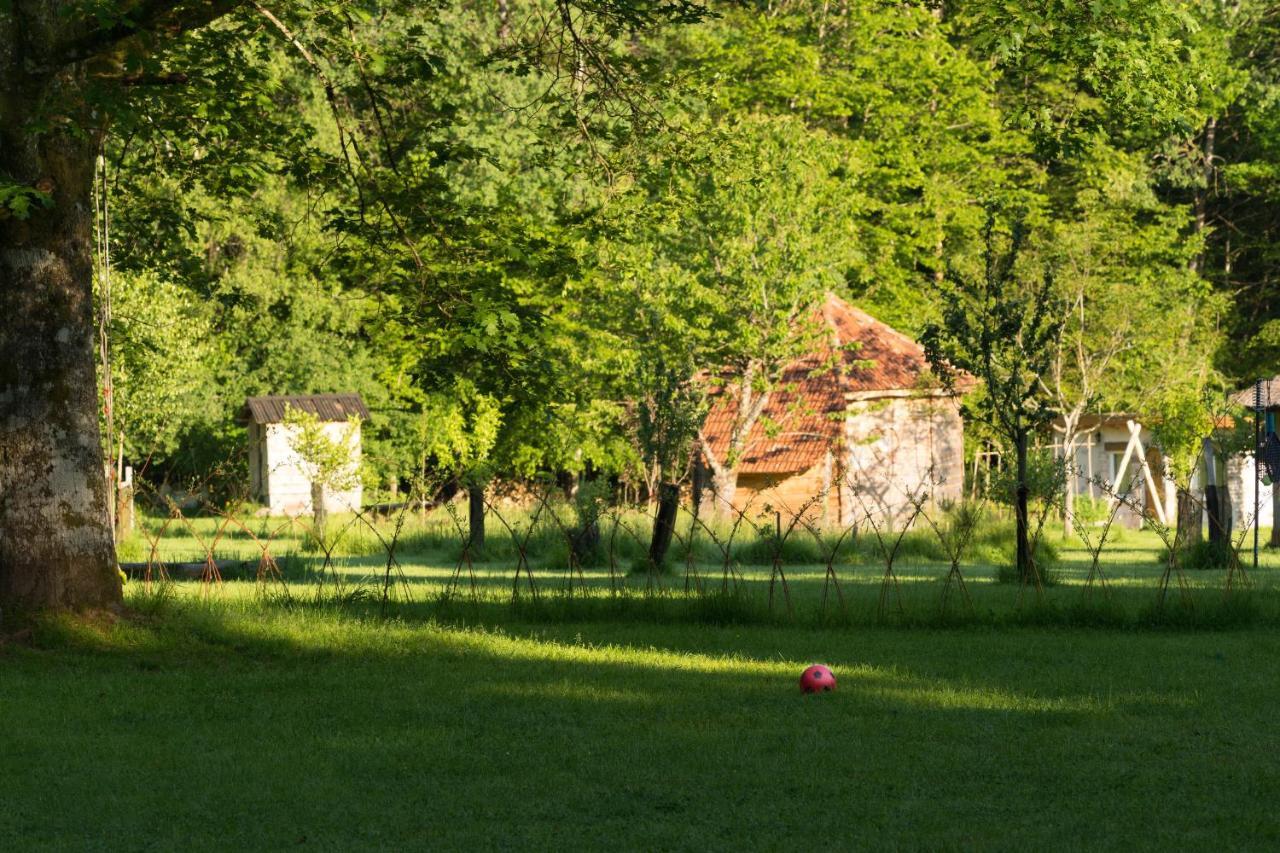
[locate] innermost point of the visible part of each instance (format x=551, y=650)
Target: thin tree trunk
x=124, y=511
x=664, y=524
x=1189, y=521
x=319, y=510
x=1202, y=193
x=56, y=548
x=1023, y=558
x=1072, y=478
x=475, y=516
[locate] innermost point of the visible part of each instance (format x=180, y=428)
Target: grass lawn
x=227, y=726
x=216, y=719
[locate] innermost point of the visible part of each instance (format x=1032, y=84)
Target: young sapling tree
x=330, y=462
x=1001, y=326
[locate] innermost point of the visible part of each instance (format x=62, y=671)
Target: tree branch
x=83, y=37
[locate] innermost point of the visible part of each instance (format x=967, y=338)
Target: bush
x=1205, y=555
x=1008, y=573
x=1091, y=510
x=997, y=543
x=797, y=549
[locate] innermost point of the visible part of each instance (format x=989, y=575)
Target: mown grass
x=628, y=711
x=230, y=723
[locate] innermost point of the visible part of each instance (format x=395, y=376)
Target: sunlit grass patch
x=353, y=730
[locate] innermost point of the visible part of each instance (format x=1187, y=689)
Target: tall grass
x=623, y=541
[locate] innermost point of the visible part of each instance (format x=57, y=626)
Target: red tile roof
x=804, y=416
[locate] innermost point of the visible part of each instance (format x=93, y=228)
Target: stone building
x=277, y=477
x=856, y=427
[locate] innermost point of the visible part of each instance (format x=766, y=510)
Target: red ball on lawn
x=817, y=679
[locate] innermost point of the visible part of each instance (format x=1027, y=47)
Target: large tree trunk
x=56, y=548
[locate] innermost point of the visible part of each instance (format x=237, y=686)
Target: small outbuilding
x=1242, y=468
x=855, y=428
x=277, y=476
x=1118, y=449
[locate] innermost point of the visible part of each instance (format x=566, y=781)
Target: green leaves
x=328, y=452
x=20, y=200
x=1000, y=326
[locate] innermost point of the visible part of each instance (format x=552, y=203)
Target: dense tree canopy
x=417, y=233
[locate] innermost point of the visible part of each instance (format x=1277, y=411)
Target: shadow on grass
x=526, y=662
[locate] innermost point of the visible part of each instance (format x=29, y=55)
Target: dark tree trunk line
x=1022, y=523
x=664, y=524
x=56, y=548
x=475, y=516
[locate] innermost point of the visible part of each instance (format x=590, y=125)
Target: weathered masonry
x=861, y=423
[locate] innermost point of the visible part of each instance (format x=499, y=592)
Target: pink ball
x=817, y=679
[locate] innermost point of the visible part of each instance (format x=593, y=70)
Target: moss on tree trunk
x=56, y=548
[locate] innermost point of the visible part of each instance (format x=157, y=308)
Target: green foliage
x=1187, y=418
x=917, y=109
x=1000, y=327
x=1089, y=510
x=19, y=200
x=720, y=252
x=522, y=270
x=1074, y=72
x=1045, y=478
x=326, y=460
x=1204, y=555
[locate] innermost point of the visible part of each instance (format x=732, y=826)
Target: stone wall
x=897, y=446
x=893, y=446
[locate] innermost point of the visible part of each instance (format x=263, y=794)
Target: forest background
x=523, y=256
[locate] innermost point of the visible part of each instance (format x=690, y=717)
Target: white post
x=1135, y=432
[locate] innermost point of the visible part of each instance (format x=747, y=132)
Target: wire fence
x=718, y=551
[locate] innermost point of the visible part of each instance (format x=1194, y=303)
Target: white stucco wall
x=1240, y=483
x=1093, y=459
x=287, y=488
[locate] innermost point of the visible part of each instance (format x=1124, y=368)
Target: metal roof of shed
x=327, y=407
x=1270, y=395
